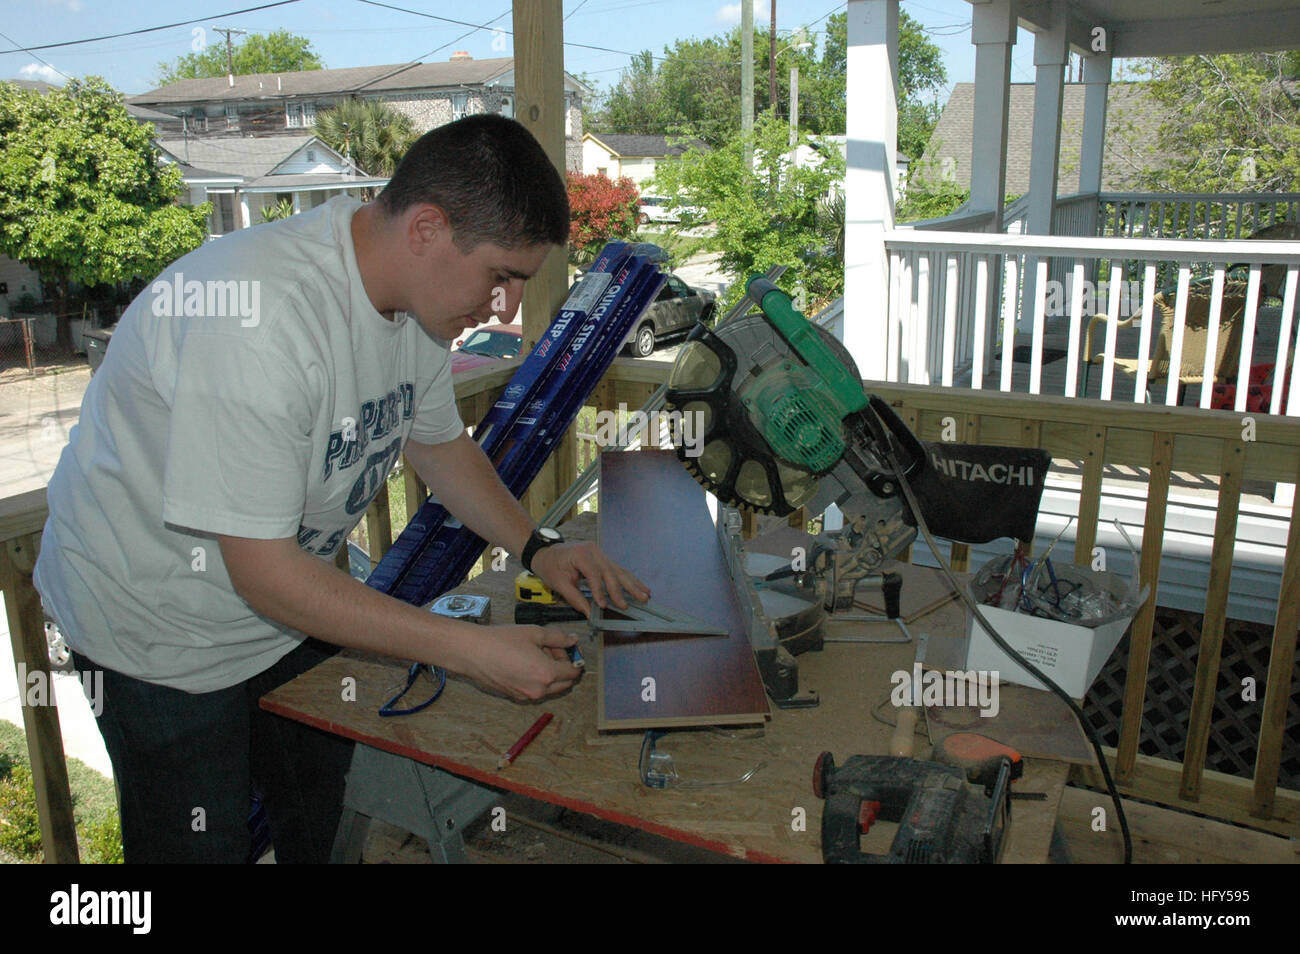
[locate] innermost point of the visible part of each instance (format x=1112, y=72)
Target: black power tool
x=946, y=813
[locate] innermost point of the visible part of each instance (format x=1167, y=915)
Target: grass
x=680, y=247
x=94, y=801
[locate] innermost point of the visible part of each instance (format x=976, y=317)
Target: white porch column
x=1096, y=76
x=872, y=127
x=993, y=31
x=245, y=213
x=297, y=202
x=1050, y=56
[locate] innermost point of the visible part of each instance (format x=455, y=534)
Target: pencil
x=524, y=740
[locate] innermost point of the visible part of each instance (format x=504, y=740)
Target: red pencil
x=524, y=740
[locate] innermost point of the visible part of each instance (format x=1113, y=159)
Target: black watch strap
x=541, y=537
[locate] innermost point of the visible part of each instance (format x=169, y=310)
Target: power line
x=480, y=26
x=168, y=26
x=35, y=57
x=438, y=49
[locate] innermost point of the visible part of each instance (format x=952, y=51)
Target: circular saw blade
x=716, y=375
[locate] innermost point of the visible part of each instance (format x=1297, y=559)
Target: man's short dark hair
x=491, y=178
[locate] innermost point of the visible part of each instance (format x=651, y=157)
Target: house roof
x=629, y=146
x=142, y=114
x=392, y=78
x=249, y=158
x=40, y=86
x=1133, y=119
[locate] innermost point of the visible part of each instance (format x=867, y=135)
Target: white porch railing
x=955, y=298
x=1231, y=215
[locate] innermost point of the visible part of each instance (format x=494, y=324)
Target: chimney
x=277, y=84
x=231, y=78
x=459, y=55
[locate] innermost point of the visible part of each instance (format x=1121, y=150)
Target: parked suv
x=674, y=312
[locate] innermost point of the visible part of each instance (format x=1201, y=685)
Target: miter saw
x=787, y=424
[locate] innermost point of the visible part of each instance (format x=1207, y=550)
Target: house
x=286, y=104
x=243, y=176
x=1132, y=118
x=616, y=154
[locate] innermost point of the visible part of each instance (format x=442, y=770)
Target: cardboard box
x=1071, y=655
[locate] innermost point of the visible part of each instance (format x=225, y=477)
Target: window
x=459, y=105
x=223, y=212
x=508, y=107
x=309, y=114
x=602, y=171
x=293, y=115
x=198, y=122
x=232, y=117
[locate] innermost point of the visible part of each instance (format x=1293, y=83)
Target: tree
x=773, y=213
x=921, y=75
x=83, y=196
x=694, y=91
x=372, y=134
x=277, y=52
x=1232, y=123
x=599, y=210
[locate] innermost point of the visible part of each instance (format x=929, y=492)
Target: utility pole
x=771, y=61
x=747, y=79
x=230, y=53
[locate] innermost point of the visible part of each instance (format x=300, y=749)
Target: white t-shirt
x=252, y=390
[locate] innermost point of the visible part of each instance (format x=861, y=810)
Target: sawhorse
x=429, y=803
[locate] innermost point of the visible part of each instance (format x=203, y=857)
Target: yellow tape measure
x=530, y=589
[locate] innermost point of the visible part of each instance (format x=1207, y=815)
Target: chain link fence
x=17, y=346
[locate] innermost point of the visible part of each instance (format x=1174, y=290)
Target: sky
x=358, y=33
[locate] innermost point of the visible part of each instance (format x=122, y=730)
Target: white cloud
x=729, y=13
x=76, y=6
x=39, y=71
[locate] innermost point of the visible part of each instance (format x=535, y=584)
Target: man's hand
x=564, y=565
x=525, y=663
x=280, y=581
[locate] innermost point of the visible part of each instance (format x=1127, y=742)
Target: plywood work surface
x=772, y=817
x=655, y=522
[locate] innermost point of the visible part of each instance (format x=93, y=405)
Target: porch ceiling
x=1177, y=27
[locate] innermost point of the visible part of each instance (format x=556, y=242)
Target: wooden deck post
x=539, y=105
x=41, y=722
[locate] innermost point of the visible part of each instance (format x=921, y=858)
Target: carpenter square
x=652, y=618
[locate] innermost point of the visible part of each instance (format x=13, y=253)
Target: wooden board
x=655, y=522
x=1164, y=836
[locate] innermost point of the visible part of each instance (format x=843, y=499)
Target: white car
x=655, y=208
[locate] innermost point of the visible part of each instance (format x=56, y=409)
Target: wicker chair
x=1196, y=335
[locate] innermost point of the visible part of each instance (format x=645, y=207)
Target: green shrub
x=100, y=841
x=20, y=824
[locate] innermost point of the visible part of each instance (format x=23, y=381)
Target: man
x=252, y=403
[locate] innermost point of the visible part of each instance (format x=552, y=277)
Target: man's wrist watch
x=542, y=537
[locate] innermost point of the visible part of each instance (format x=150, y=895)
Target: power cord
x=892, y=460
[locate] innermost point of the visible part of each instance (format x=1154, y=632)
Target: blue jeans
x=187, y=763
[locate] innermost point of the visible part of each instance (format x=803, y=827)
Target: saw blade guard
x=736, y=463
